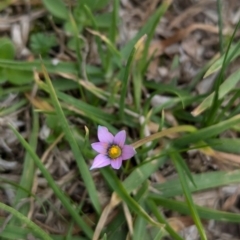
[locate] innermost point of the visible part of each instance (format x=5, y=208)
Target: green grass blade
x=141, y=173
x=211, y=116
x=234, y=52
x=204, y=213
x=230, y=145
x=139, y=231
x=57, y=8
x=98, y=41
x=104, y=237
x=64, y=200
x=13, y=108
x=203, y=182
x=159, y=13
x=28, y=173
x=208, y=132
x=109, y=44
x=112, y=37
x=137, y=85
x=125, y=80
x=114, y=28
x=159, y=235
x=156, y=212
x=228, y=85
x=26, y=221
x=226, y=109
x=74, y=146
x=185, y=168
x=118, y=187
x=61, y=67
x=176, y=158
x=146, y=29
x=85, y=107
x=77, y=45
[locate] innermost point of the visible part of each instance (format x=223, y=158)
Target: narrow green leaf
x=141, y=173
x=98, y=40
x=7, y=49
x=125, y=83
x=160, y=235
x=108, y=42
x=57, y=8
x=28, y=172
x=86, y=108
x=186, y=169
x=112, y=37
x=137, y=83
x=204, y=213
x=146, y=29
x=118, y=187
x=234, y=52
x=18, y=77
x=156, y=212
x=104, y=237
x=228, y=107
x=230, y=145
x=206, y=133
x=78, y=41
x=26, y=221
x=139, y=231
x=176, y=158
x=211, y=116
x=13, y=108
x=64, y=200
x=159, y=13
x=74, y=146
x=203, y=182
x=61, y=67
x=228, y=85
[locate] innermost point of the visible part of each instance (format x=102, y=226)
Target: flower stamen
x=114, y=151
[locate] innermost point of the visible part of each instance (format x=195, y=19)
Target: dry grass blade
x=129, y=219
x=39, y=103
x=115, y=200
x=227, y=158
x=180, y=223
x=163, y=133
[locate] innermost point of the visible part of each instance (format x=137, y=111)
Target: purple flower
x=111, y=149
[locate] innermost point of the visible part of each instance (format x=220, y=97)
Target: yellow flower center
x=114, y=151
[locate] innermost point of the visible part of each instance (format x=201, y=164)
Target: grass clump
x=175, y=95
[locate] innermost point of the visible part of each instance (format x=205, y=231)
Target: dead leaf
x=39, y=103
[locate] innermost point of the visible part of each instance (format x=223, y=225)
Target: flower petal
x=104, y=135
x=127, y=152
x=100, y=161
x=120, y=138
x=100, y=147
x=116, y=163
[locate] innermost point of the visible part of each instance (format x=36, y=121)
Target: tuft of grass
x=177, y=160
x=63, y=198
x=109, y=86
x=35, y=228
x=76, y=151
x=29, y=167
